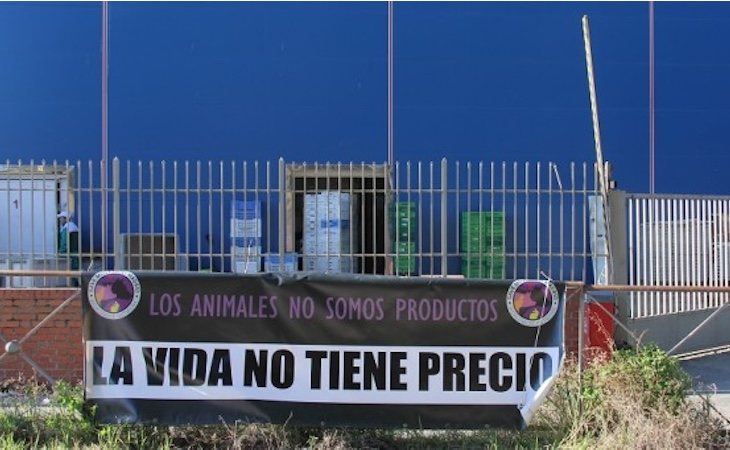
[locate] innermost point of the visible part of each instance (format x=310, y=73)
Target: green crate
x=404, y=221
x=405, y=257
x=405, y=265
x=485, y=245
x=483, y=268
x=482, y=230
x=404, y=248
x=404, y=209
x=484, y=251
x=405, y=234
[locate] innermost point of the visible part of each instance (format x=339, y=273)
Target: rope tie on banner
x=539, y=327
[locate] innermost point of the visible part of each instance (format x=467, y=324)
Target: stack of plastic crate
x=482, y=245
x=404, y=238
x=273, y=263
x=327, y=245
x=246, y=236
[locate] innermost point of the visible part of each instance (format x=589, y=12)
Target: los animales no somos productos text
x=334, y=308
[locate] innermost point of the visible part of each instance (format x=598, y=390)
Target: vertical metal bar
x=116, y=220
x=666, y=243
x=246, y=194
x=661, y=271
x=232, y=216
x=470, y=208
x=175, y=231
x=140, y=229
x=681, y=224
x=267, y=181
x=651, y=255
x=198, y=213
x=515, y=221
x=8, y=226
x=44, y=193
x=572, y=220
x=32, y=217
x=676, y=254
x=163, y=231
x=561, y=223
x=419, y=196
x=501, y=256
x=21, y=212
x=444, y=217
x=482, y=237
x=432, y=198
x=354, y=260
x=644, y=259
x=704, y=224
x=364, y=237
x=713, y=262
x=128, y=189
x=79, y=206
x=585, y=221
x=386, y=178
x=504, y=211
x=723, y=251
x=210, y=214
x=374, y=179
x=457, y=208
x=104, y=210
x=187, y=213
x=151, y=189
x=282, y=213
x=221, y=215
x=695, y=250
x=690, y=252
x=538, y=213
x=92, y=225
x=397, y=255
x=632, y=256
x=550, y=218
x=527, y=220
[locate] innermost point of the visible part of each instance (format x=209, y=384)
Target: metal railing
x=172, y=215
x=678, y=241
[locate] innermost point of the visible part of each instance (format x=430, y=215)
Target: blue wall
x=307, y=81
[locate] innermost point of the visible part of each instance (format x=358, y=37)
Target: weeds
x=634, y=399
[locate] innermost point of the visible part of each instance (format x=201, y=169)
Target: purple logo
x=532, y=302
x=114, y=295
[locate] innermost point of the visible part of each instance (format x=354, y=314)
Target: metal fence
x=677, y=241
x=438, y=218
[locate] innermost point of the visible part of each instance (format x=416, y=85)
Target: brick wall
x=571, y=327
x=56, y=347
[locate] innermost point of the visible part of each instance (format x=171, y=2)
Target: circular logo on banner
x=532, y=302
x=114, y=295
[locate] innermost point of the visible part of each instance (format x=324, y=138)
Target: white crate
x=329, y=264
x=246, y=228
x=246, y=265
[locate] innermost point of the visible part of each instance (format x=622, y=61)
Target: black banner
x=319, y=350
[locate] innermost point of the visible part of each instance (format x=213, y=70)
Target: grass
x=635, y=399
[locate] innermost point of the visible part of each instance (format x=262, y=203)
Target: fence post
x=115, y=216
x=444, y=218
x=282, y=212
